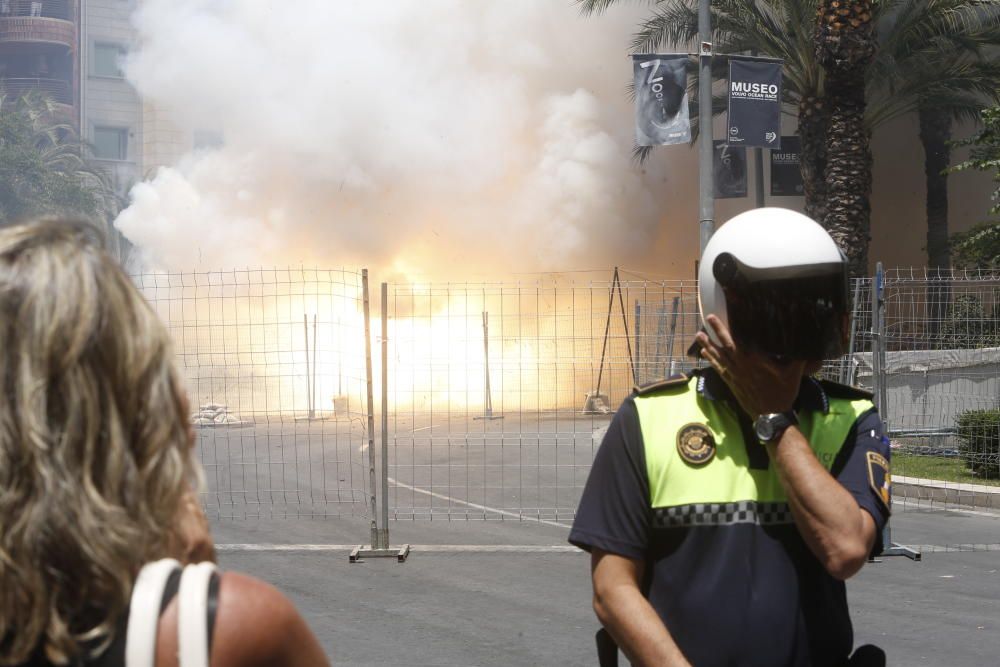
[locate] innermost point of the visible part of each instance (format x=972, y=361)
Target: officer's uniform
x=681, y=482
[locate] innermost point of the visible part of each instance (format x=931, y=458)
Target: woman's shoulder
x=255, y=624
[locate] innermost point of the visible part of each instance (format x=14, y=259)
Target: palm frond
x=588, y=7
x=673, y=24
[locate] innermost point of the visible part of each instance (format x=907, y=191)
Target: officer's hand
x=760, y=384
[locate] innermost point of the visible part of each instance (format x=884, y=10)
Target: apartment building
x=74, y=50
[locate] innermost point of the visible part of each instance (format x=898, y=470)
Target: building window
x=108, y=60
x=110, y=143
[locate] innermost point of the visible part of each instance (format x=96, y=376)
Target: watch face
x=764, y=428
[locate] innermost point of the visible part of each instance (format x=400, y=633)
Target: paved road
x=473, y=605
x=483, y=588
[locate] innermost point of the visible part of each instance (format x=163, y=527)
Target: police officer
x=725, y=509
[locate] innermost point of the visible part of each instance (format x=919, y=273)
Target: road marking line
x=493, y=510
x=438, y=548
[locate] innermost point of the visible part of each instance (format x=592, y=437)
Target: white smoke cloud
x=420, y=136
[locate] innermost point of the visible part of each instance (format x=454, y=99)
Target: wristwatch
x=769, y=428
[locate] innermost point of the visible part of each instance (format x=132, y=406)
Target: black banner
x=786, y=175
x=661, y=101
x=754, y=103
x=730, y=170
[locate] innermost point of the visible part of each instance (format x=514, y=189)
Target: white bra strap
x=144, y=612
x=192, y=618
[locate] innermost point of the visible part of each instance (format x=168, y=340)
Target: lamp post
x=706, y=222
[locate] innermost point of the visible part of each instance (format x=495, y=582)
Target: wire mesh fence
x=497, y=395
x=939, y=380
x=273, y=362
x=500, y=393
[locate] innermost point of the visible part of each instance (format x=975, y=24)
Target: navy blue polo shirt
x=741, y=594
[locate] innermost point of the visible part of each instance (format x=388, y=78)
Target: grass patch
x=936, y=467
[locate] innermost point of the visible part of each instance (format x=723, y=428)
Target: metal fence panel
x=501, y=393
x=941, y=379
x=273, y=361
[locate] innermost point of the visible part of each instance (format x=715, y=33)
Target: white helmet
x=779, y=282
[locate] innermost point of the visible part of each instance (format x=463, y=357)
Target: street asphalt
x=511, y=593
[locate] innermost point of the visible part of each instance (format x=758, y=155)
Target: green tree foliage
x=43, y=165
x=978, y=248
x=985, y=154
x=969, y=326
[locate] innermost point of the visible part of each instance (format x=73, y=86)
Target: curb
x=954, y=493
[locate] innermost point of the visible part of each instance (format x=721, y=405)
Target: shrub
x=979, y=441
x=968, y=325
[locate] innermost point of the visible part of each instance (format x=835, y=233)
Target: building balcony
x=46, y=21
x=60, y=91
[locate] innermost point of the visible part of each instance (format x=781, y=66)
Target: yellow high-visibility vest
x=725, y=489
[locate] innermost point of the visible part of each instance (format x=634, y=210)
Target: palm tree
x=44, y=165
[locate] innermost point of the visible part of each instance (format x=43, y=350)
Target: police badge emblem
x=696, y=444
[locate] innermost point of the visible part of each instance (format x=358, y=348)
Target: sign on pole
x=786, y=174
x=730, y=170
x=754, y=103
x=661, y=101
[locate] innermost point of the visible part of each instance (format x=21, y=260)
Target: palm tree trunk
x=845, y=46
x=814, y=119
x=935, y=133
x=849, y=171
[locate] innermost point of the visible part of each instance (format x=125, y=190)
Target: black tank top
x=114, y=655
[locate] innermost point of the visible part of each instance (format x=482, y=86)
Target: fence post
x=879, y=381
x=379, y=535
x=638, y=329
x=876, y=332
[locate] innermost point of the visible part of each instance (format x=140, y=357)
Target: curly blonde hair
x=95, y=448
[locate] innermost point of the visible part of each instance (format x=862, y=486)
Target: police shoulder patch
x=880, y=478
x=847, y=391
x=672, y=382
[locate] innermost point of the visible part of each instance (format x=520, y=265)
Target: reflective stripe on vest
x=725, y=490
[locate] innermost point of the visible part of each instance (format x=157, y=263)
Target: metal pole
x=305, y=330
x=846, y=369
x=879, y=378
x=675, y=306
x=384, y=542
x=607, y=330
x=758, y=157
x=487, y=389
x=312, y=405
x=881, y=343
x=380, y=537
x=486, y=364
x=705, y=185
x=638, y=328
x=371, y=407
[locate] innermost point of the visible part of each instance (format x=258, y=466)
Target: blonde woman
x=97, y=471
